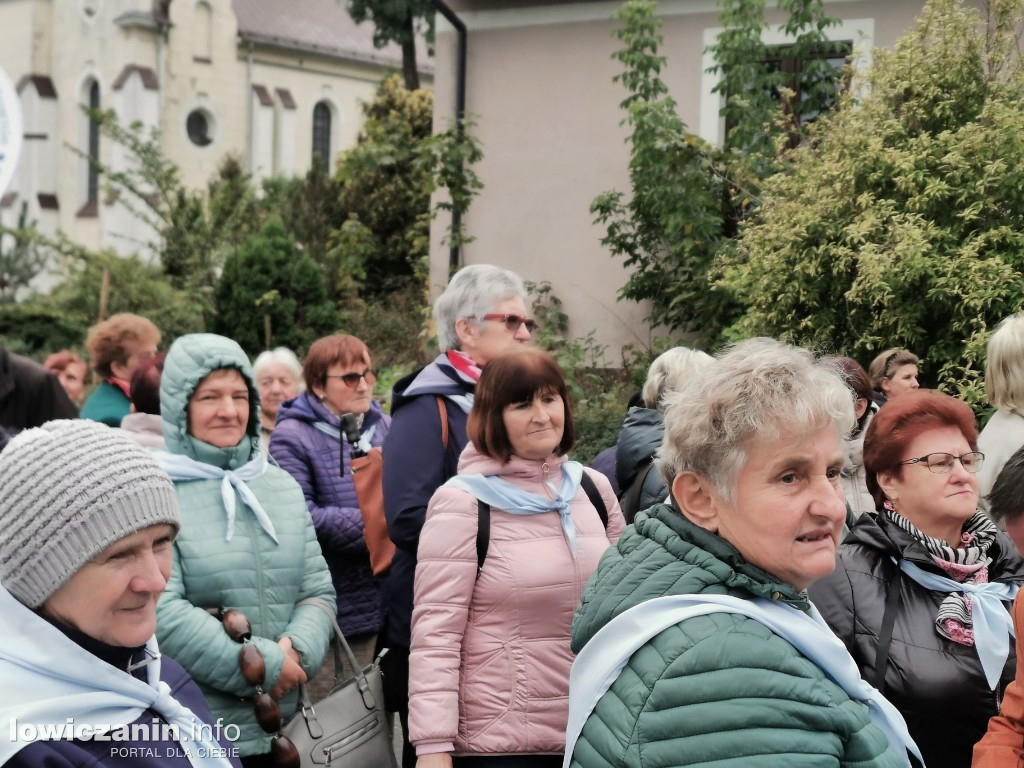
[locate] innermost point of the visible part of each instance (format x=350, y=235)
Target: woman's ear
x=889, y=484
x=466, y=330
x=695, y=498
x=884, y=385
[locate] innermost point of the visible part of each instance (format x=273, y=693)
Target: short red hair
x=339, y=349
x=901, y=420
x=512, y=378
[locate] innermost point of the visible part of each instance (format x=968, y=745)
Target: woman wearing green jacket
x=698, y=621
x=247, y=543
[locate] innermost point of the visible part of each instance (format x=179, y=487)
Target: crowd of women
x=807, y=566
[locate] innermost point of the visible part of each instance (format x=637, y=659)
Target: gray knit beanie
x=68, y=490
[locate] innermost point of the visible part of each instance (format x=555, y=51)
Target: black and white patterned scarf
x=967, y=563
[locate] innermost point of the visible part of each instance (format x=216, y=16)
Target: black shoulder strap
x=630, y=500
x=483, y=519
x=483, y=533
x=595, y=497
x=885, y=634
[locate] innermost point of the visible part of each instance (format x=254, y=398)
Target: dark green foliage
x=901, y=224
x=397, y=21
x=267, y=283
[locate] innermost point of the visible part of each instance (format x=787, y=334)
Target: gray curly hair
x=755, y=391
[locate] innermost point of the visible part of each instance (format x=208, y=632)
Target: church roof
x=317, y=26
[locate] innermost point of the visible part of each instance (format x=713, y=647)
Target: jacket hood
x=663, y=553
x=190, y=360
x=639, y=439
x=878, y=533
x=437, y=378
x=306, y=408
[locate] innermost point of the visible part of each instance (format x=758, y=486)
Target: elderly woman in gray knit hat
x=87, y=522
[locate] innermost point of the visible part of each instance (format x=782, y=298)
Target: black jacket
x=938, y=685
x=29, y=394
x=639, y=439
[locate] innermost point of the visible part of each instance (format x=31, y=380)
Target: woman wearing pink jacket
x=505, y=552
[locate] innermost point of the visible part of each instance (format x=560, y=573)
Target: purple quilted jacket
x=312, y=458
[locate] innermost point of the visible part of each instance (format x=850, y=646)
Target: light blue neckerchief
x=465, y=402
x=602, y=659
x=993, y=625
x=182, y=468
x=510, y=498
x=365, y=439
x=56, y=679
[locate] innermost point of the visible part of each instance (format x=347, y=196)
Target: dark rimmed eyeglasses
x=512, y=322
x=352, y=379
x=942, y=463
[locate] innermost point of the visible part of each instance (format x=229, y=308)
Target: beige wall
x=540, y=85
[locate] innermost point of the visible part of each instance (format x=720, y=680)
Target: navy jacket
x=415, y=465
x=124, y=754
x=314, y=459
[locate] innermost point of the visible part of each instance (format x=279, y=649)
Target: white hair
x=757, y=390
x=279, y=356
x=670, y=371
x=472, y=293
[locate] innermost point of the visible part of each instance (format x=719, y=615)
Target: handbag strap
x=339, y=644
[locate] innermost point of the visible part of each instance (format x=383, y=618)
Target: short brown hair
x=515, y=377
x=339, y=349
x=900, y=420
x=115, y=340
x=59, y=361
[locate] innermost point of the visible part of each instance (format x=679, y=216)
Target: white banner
x=10, y=131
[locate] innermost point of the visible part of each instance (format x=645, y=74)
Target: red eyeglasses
x=512, y=322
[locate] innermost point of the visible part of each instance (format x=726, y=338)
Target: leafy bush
x=900, y=223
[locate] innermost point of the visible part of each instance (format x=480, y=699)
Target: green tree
x=398, y=21
x=901, y=223
x=269, y=294
x=687, y=197
x=22, y=256
x=386, y=182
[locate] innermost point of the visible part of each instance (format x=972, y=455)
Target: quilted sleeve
x=834, y=598
x=339, y=528
x=616, y=522
x=198, y=642
x=723, y=691
x=445, y=578
x=311, y=626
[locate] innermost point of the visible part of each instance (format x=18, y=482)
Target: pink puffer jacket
x=490, y=658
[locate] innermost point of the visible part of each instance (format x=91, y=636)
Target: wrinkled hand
x=436, y=760
x=292, y=675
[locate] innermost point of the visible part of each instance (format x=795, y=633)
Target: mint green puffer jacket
x=251, y=572
x=721, y=689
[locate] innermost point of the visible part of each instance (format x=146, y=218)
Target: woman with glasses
x=921, y=593
x=480, y=316
x=893, y=373
x=312, y=444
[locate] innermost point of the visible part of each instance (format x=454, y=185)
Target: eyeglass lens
x=941, y=463
x=352, y=379
x=512, y=322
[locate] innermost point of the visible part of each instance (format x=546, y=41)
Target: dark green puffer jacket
x=721, y=689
